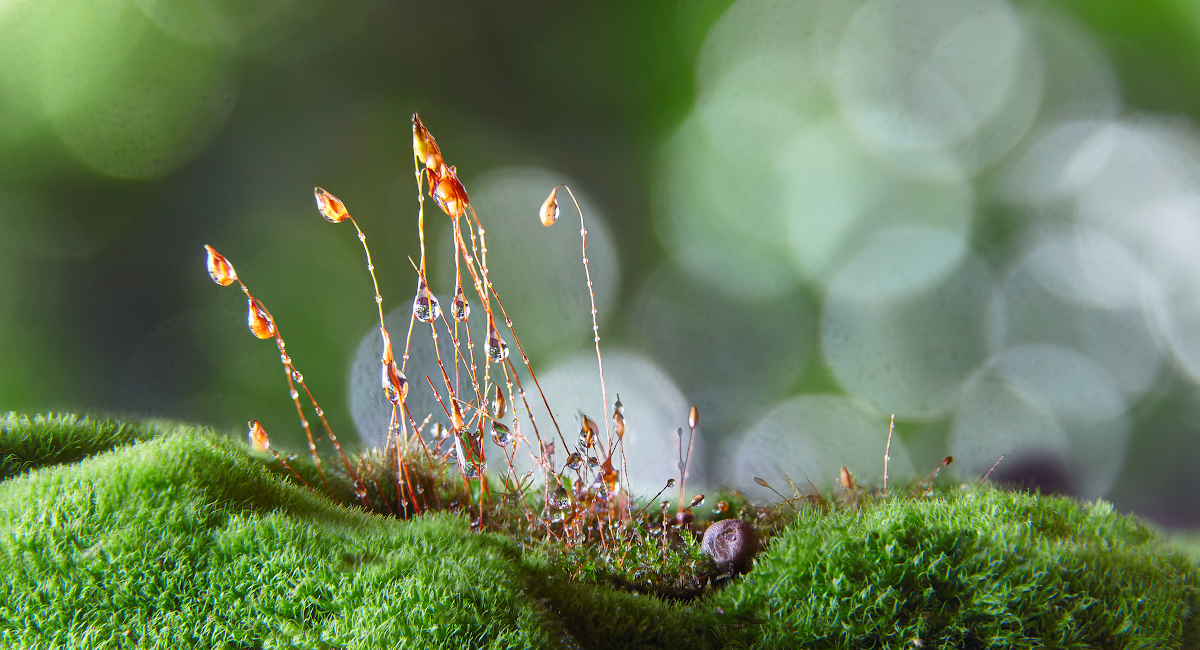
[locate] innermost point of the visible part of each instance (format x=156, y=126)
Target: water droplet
x=574, y=461
x=697, y=500
x=501, y=434
x=721, y=508
x=296, y=376
x=360, y=489
x=295, y=394
x=693, y=418
x=549, y=212
x=258, y=437
x=670, y=482
x=438, y=432
x=449, y=193
x=219, y=268
x=560, y=499
x=499, y=404
x=395, y=384
x=461, y=309
x=303, y=423
x=681, y=465
x=497, y=349
x=592, y=462
x=258, y=320
x=330, y=206
x=587, y=433
x=318, y=411
x=425, y=304
x=285, y=359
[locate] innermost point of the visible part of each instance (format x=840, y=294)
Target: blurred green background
x=804, y=217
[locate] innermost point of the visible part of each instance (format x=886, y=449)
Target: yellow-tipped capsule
x=549, y=212
x=259, y=320
x=219, y=268
x=693, y=418
x=258, y=437
x=330, y=206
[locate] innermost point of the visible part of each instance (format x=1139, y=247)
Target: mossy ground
x=158, y=535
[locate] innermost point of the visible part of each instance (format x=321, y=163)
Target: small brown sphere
x=732, y=544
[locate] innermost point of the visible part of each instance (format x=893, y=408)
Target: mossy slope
x=984, y=569
x=175, y=537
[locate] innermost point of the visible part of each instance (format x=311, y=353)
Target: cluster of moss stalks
x=163, y=535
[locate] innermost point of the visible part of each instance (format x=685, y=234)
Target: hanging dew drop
x=499, y=404
x=574, y=461
x=500, y=434
x=258, y=321
x=425, y=304
x=461, y=308
x=560, y=499
x=296, y=376
x=497, y=349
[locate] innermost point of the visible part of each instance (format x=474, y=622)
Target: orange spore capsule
x=259, y=321
x=693, y=418
x=330, y=206
x=258, y=437
x=424, y=146
x=450, y=195
x=549, y=212
x=219, y=268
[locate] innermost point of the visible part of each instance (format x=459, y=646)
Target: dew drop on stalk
x=395, y=384
x=425, y=304
x=219, y=268
x=560, y=499
x=296, y=376
x=721, y=508
x=697, y=500
x=574, y=460
x=693, y=418
x=330, y=206
x=549, y=212
x=497, y=349
x=500, y=434
x=450, y=195
x=499, y=404
x=295, y=394
x=461, y=309
x=670, y=482
x=285, y=359
x=592, y=462
x=258, y=437
x=438, y=432
x=360, y=489
x=587, y=433
x=257, y=319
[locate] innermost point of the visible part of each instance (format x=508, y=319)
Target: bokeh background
x=983, y=217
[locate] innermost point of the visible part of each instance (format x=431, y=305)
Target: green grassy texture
x=169, y=536
x=981, y=569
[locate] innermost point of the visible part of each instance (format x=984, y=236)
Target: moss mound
x=982, y=569
x=172, y=536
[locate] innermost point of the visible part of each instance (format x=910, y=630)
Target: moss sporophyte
x=160, y=534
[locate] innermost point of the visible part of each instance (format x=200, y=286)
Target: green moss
x=172, y=536
x=982, y=569
x=29, y=442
